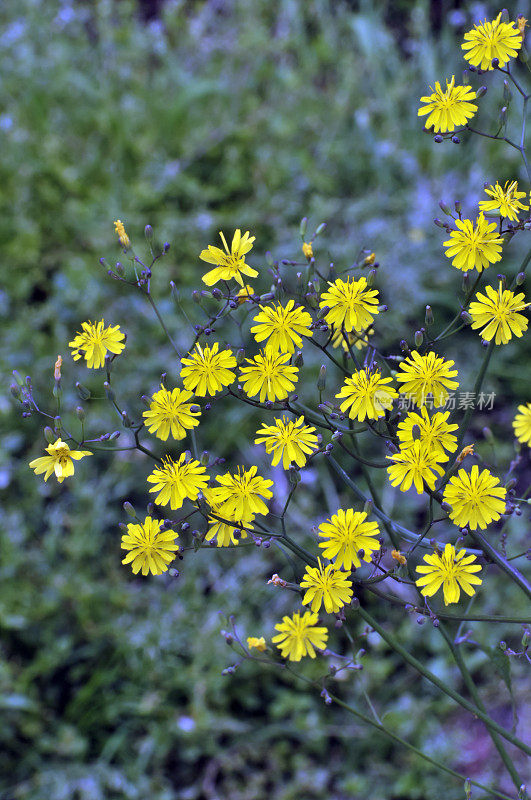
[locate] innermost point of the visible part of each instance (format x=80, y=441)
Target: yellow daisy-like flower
x=497, y=314
x=150, y=549
x=449, y=109
x=474, y=247
x=346, y=534
x=282, y=326
x=227, y=530
x=93, y=342
x=366, y=395
x=476, y=499
x=244, y=294
x=522, y=424
x=490, y=40
x=326, y=586
x=453, y=571
x=119, y=228
x=287, y=440
x=505, y=201
x=58, y=461
x=307, y=250
x=207, y=370
x=229, y=263
x=426, y=375
x=240, y=494
x=415, y=465
x=256, y=643
x=357, y=339
x=435, y=432
x=170, y=412
x=299, y=636
x=178, y=480
x=352, y=305
x=270, y=375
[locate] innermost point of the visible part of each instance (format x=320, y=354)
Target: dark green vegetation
x=214, y=116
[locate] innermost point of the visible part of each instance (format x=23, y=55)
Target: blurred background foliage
x=197, y=116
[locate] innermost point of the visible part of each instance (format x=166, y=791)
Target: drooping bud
x=481, y=92
x=445, y=208
x=128, y=508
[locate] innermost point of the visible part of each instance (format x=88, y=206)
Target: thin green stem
x=462, y=701
x=502, y=562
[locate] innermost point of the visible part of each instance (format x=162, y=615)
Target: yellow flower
x=307, y=250
x=415, y=465
x=474, y=248
x=299, y=636
x=239, y=495
x=256, y=643
x=453, y=571
x=269, y=374
x=287, y=440
x=59, y=461
x=122, y=235
x=93, y=342
x=357, y=339
x=490, y=40
x=282, y=326
x=227, y=530
x=466, y=451
x=353, y=306
x=521, y=23
x=397, y=556
x=169, y=412
x=229, y=263
x=427, y=375
x=522, y=424
x=505, y=201
x=208, y=370
x=178, y=480
x=476, y=499
x=436, y=433
x=244, y=294
x=448, y=109
x=150, y=549
x=346, y=534
x=366, y=395
x=326, y=586
x=497, y=314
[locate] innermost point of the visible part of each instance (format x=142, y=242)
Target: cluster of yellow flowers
x=426, y=438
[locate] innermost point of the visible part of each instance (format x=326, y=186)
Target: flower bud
x=109, y=392
x=371, y=276
x=321, y=380
x=455, y=140
x=126, y=421
x=176, y=295
x=520, y=278
x=495, y=63
x=205, y=458
x=445, y=208
x=15, y=391
x=465, y=285
x=216, y=293
x=294, y=476
x=465, y=316
x=114, y=435
x=438, y=138
x=503, y=115
x=320, y=229
x=82, y=391
x=404, y=347
x=368, y=507
x=428, y=319
x=18, y=377
x=148, y=232
x=49, y=435
x=507, y=94
x=481, y=92
x=419, y=338
x=510, y=484
x=439, y=223
x=196, y=296
x=146, y=400
x=487, y=433
x=165, y=247
x=298, y=361
x=505, y=16
x=303, y=226
x=80, y=413
x=240, y=355
x=128, y=508
x=119, y=269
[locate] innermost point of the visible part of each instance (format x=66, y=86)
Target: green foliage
x=110, y=686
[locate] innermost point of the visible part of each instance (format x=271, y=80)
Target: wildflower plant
x=300, y=349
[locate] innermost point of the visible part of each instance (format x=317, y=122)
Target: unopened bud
x=404, y=347
x=303, y=226
x=49, y=435
x=298, y=361
x=18, y=377
x=505, y=16
x=371, y=277
x=205, y=458
x=109, y=392
x=165, y=247
x=114, y=435
x=439, y=223
x=321, y=380
x=419, y=338
x=320, y=229
x=520, y=278
x=503, y=114
x=438, y=138
x=456, y=139
x=216, y=293
x=294, y=476
x=429, y=316
x=507, y=94
x=128, y=508
x=368, y=507
x=510, y=484
x=481, y=92
x=15, y=390
x=148, y=232
x=126, y=421
x=445, y=208
x=80, y=413
x=240, y=355
x=465, y=316
x=82, y=391
x=196, y=296
x=176, y=295
x=466, y=282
